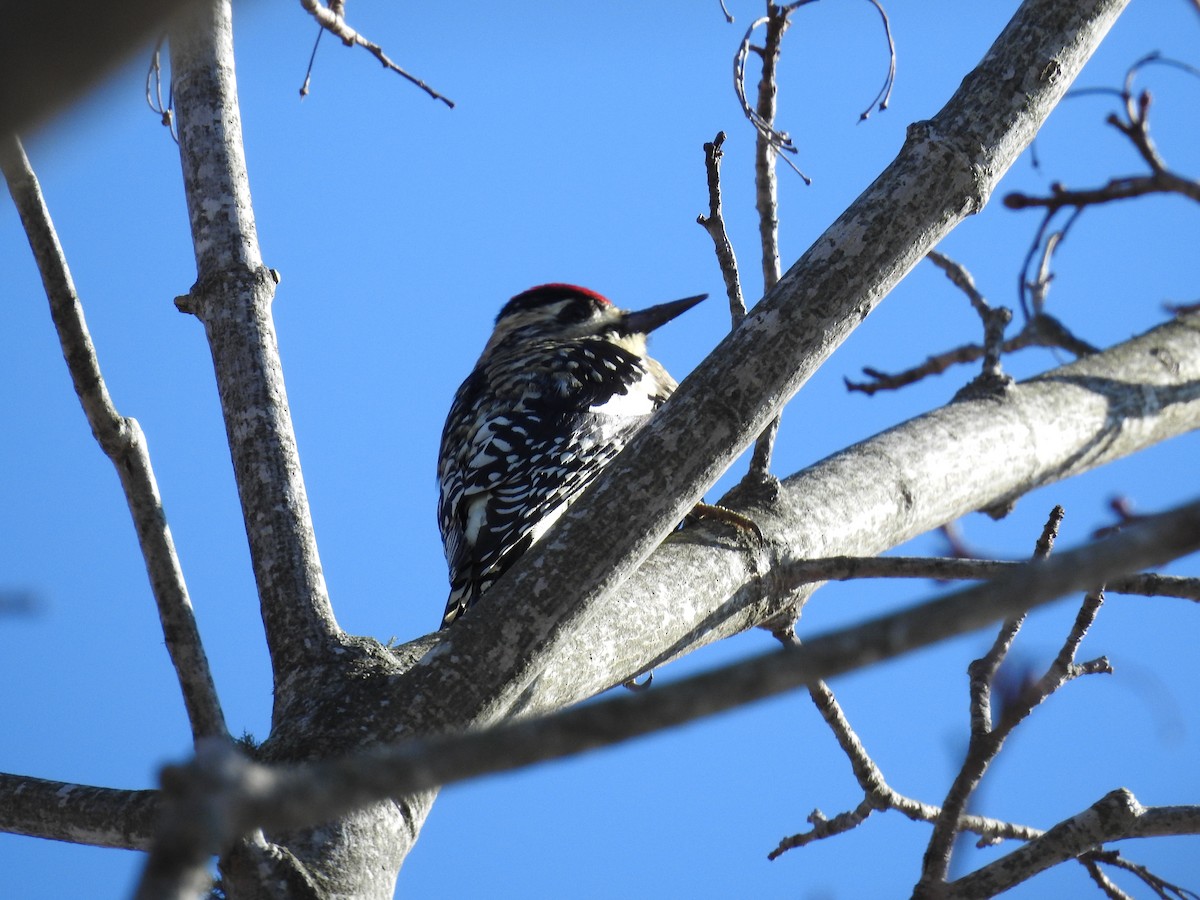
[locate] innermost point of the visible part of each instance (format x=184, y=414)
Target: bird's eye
x=579, y=311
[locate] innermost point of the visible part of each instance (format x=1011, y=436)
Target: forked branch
x=331, y=20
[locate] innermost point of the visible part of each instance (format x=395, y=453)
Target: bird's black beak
x=645, y=321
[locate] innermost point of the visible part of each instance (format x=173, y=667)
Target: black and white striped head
x=565, y=312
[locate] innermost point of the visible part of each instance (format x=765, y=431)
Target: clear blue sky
x=400, y=227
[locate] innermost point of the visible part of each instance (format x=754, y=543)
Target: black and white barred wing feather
x=536, y=437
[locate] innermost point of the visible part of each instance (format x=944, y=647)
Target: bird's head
x=565, y=312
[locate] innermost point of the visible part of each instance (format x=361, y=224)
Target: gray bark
x=232, y=297
x=599, y=599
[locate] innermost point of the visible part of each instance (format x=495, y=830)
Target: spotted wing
x=537, y=437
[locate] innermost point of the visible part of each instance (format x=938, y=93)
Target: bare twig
x=123, y=442
x=1136, y=128
x=1106, y=885
x=1115, y=189
x=333, y=22
x=983, y=670
x=1161, y=887
x=989, y=732
x=312, y=60
x=995, y=320
x=766, y=196
x=1041, y=330
x=846, y=568
x=877, y=794
x=714, y=224
x=766, y=187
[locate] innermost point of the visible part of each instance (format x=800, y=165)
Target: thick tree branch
x=123, y=443
x=945, y=171
x=77, y=813
x=221, y=796
x=232, y=297
x=696, y=589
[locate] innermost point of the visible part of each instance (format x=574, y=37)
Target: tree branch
x=232, y=297
x=124, y=444
x=1116, y=816
x=938, y=568
x=878, y=794
x=1116, y=189
x=995, y=321
x=221, y=795
x=766, y=197
x=336, y=25
x=77, y=813
x=714, y=224
x=945, y=171
x=987, y=734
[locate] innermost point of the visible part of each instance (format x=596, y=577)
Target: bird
x=563, y=384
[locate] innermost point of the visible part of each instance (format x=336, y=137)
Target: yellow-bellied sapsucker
x=562, y=385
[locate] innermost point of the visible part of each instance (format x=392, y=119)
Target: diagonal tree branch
x=333, y=22
x=574, y=620
x=221, y=796
x=945, y=171
x=232, y=297
x=123, y=442
x=698, y=588
x=1115, y=816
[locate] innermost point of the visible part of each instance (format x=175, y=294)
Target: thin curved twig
x=778, y=140
x=885, y=93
